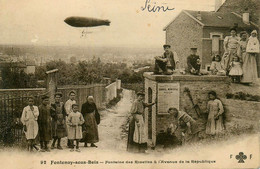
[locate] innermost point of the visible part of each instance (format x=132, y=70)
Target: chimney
x=245, y=18
x=218, y=3
x=199, y=16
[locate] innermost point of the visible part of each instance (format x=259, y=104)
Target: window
x=216, y=37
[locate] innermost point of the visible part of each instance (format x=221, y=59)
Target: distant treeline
x=81, y=73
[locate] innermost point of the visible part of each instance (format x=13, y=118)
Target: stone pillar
x=52, y=82
x=118, y=83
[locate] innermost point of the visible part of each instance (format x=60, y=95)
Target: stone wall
x=111, y=90
x=199, y=87
x=240, y=116
x=182, y=34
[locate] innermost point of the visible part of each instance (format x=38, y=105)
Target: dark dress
x=193, y=62
x=90, y=129
x=44, y=122
x=131, y=145
x=58, y=114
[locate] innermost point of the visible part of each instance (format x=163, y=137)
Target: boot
x=93, y=145
x=58, y=146
x=53, y=143
x=46, y=146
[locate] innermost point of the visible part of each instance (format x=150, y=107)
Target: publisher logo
x=241, y=157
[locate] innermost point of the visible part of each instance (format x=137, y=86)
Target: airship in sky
x=77, y=21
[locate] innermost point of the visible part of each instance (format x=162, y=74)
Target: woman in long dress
x=249, y=66
x=215, y=110
x=90, y=113
x=230, y=48
x=137, y=134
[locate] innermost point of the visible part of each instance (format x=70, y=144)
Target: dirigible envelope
x=76, y=21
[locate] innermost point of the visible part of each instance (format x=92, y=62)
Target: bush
x=243, y=96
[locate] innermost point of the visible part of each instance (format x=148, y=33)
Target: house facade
x=203, y=30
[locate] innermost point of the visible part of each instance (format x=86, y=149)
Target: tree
x=15, y=77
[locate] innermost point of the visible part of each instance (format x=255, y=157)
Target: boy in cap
x=193, y=62
x=167, y=62
x=44, y=121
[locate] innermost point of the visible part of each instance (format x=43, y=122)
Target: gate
x=10, y=113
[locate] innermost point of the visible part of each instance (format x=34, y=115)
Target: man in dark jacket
x=167, y=62
x=44, y=122
x=193, y=62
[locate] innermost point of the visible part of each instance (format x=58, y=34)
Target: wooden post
x=52, y=82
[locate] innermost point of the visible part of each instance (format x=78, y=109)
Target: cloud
x=35, y=39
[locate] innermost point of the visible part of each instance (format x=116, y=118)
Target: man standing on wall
x=68, y=109
x=167, y=63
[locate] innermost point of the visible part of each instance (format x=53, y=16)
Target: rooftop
x=217, y=19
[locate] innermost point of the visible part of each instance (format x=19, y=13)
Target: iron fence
x=10, y=112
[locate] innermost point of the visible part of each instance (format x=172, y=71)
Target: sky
x=41, y=22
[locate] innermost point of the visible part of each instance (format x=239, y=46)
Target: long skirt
x=226, y=59
x=91, y=128
x=58, y=130
x=131, y=145
x=140, y=135
x=214, y=126
x=249, y=68
x=45, y=131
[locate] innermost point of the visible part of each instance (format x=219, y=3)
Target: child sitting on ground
x=216, y=67
x=75, y=121
x=235, y=70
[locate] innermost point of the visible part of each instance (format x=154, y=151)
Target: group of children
x=234, y=69
x=48, y=122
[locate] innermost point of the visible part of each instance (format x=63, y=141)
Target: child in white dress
x=235, y=70
x=75, y=121
x=216, y=68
